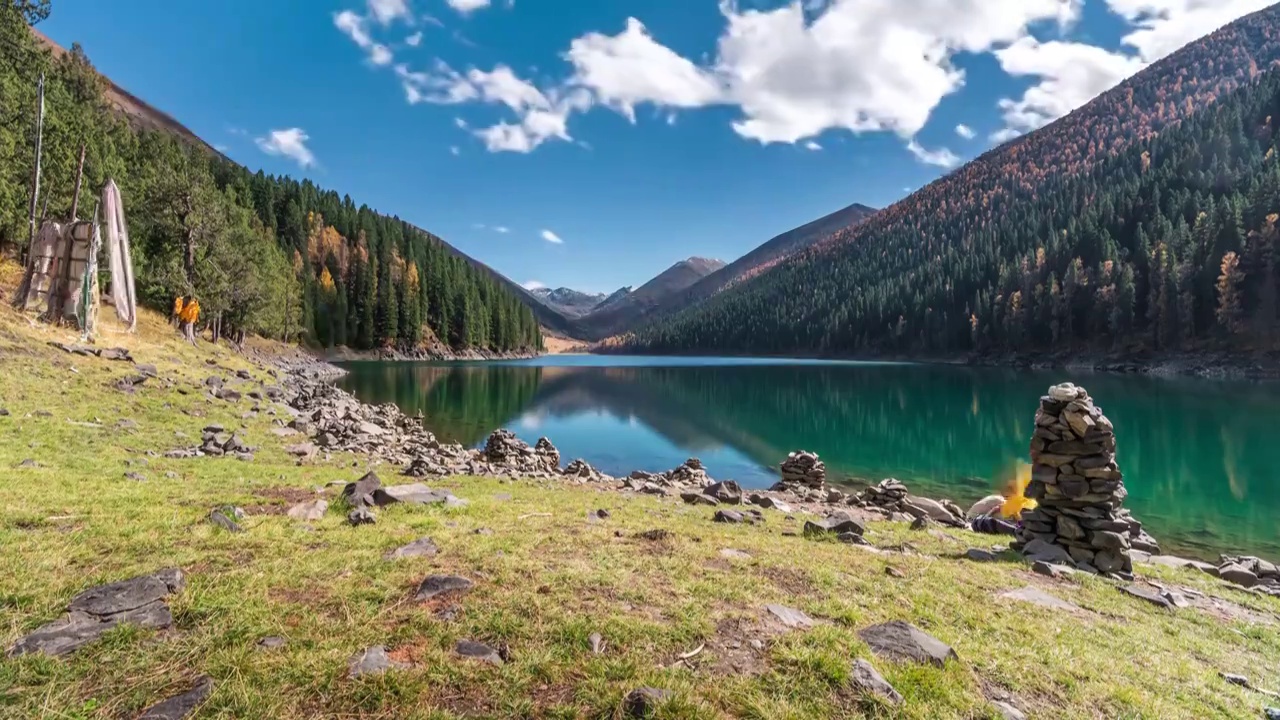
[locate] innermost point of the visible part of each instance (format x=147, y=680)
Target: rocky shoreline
x=436, y=353
x=327, y=420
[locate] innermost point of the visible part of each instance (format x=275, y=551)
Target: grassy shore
x=545, y=580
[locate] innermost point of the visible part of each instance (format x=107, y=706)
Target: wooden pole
x=35, y=174
x=75, y=198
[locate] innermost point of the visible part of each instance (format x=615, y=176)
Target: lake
x=1200, y=457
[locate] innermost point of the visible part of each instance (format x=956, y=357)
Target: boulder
x=1237, y=574
x=835, y=524
x=180, y=706
x=902, y=641
x=697, y=498
x=865, y=679
x=413, y=494
x=728, y=516
x=360, y=493
x=308, y=511
x=726, y=491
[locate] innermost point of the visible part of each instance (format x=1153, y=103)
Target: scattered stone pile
x=1079, y=487
x=691, y=475
x=889, y=494
x=891, y=498
x=138, y=601
x=1250, y=572
x=508, y=452
x=804, y=469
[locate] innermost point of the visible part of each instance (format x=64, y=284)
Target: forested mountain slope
x=271, y=255
x=1142, y=221
x=623, y=311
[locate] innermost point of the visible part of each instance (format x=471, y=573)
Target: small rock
x=657, y=535
x=980, y=555
x=643, y=702
x=1234, y=679
x=136, y=477
x=835, y=524
x=308, y=511
x=728, y=516
x=697, y=498
x=597, y=643
x=1143, y=592
x=422, y=547
x=180, y=706
x=902, y=641
x=894, y=572
x=372, y=661
x=1036, y=596
x=361, y=516
x=867, y=680
x=1052, y=570
x=790, y=617
x=217, y=517
x=360, y=492
x=1007, y=711
x=477, y=651
x=436, y=585
x=727, y=492
x=1271, y=713
x=732, y=554
x=272, y=642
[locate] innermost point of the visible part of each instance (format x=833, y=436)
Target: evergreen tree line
x=1170, y=244
x=270, y=255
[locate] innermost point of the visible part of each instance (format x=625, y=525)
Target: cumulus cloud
x=356, y=27
x=811, y=145
x=965, y=131
x=388, y=11
x=1163, y=26
x=455, y=150
x=290, y=143
x=534, y=285
x=1071, y=74
x=414, y=40
x=467, y=7
x=552, y=238
x=942, y=157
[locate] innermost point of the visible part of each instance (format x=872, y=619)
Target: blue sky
x=592, y=143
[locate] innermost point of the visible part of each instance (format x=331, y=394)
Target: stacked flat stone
x=804, y=469
x=888, y=494
x=1078, y=485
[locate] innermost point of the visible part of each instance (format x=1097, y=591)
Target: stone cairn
x=803, y=469
x=1078, y=486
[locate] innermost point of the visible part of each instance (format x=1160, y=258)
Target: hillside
x=459, y=298
x=621, y=312
x=1138, y=223
x=567, y=301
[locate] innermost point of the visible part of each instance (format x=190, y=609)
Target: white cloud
x=467, y=7
x=1166, y=25
x=414, y=40
x=380, y=55
x=965, y=131
x=811, y=145
x=631, y=68
x=552, y=237
x=291, y=143
x=462, y=124
x=534, y=285
x=942, y=157
x=356, y=28
x=455, y=150
x=1071, y=74
x=501, y=229
x=387, y=11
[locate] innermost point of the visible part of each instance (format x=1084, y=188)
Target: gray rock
x=136, y=477
x=1271, y=713
x=1143, y=592
x=1052, y=570
x=422, y=547
x=373, y=661
x=361, y=516
x=272, y=642
x=835, y=524
x=412, y=494
x=1007, y=711
x=731, y=554
x=726, y=491
x=902, y=641
x=478, y=651
x=1036, y=596
x=437, y=585
x=980, y=555
x=360, y=492
x=217, y=517
x=643, y=702
x=597, y=643
x=302, y=450
x=728, y=516
x=1040, y=551
x=137, y=601
x=790, y=617
x=308, y=511
x=1238, y=574
x=697, y=498
x=865, y=679
x=180, y=706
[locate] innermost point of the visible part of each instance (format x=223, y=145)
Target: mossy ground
x=546, y=579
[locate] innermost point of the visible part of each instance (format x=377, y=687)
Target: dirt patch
x=788, y=580
x=312, y=596
x=739, y=646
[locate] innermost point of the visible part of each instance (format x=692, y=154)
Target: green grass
x=545, y=580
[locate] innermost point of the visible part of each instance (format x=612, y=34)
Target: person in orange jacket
x=188, y=315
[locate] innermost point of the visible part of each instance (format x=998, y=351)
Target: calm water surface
x=1200, y=457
